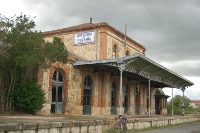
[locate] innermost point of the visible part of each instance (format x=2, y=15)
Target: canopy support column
x=172, y=103
x=120, y=92
x=149, y=99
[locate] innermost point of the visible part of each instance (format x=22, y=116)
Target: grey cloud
x=186, y=71
x=168, y=29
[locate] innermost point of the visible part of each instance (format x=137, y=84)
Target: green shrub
x=196, y=131
x=177, y=105
x=28, y=97
x=178, y=111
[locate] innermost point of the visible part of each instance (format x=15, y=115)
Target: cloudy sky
x=169, y=29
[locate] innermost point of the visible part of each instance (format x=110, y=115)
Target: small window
x=127, y=53
x=88, y=81
x=114, y=52
x=60, y=95
x=58, y=75
x=53, y=93
x=54, y=76
x=113, y=94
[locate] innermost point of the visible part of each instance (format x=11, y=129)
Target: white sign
x=85, y=37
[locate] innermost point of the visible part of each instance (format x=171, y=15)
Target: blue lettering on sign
x=86, y=37
x=79, y=35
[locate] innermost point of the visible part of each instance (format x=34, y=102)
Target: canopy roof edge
x=143, y=66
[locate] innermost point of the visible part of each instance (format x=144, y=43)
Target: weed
x=2, y=121
x=196, y=131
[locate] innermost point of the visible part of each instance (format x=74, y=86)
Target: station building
x=107, y=73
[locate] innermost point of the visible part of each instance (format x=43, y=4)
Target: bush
x=177, y=105
x=196, y=131
x=178, y=111
x=28, y=97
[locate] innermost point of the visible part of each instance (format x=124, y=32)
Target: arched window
x=114, y=52
x=87, y=96
x=57, y=92
x=127, y=53
x=126, y=99
x=58, y=76
x=88, y=81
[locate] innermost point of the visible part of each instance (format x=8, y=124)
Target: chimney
x=90, y=20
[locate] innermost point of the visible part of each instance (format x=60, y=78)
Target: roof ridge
x=91, y=26
x=75, y=26
x=78, y=57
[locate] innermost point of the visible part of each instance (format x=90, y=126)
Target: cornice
x=92, y=26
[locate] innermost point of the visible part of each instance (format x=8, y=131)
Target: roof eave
x=186, y=83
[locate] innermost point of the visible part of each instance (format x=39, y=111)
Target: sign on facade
x=84, y=37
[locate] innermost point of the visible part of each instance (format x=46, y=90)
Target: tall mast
x=125, y=36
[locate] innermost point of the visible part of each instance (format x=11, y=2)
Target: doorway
x=157, y=105
x=57, y=92
x=137, y=111
x=113, y=99
x=87, y=96
x=126, y=100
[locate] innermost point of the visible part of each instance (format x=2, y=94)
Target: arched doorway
x=113, y=99
x=87, y=98
x=157, y=104
x=57, y=92
x=126, y=100
x=137, y=109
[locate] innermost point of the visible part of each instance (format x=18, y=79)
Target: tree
x=23, y=51
x=177, y=104
x=28, y=97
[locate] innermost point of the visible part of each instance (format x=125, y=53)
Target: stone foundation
x=93, y=126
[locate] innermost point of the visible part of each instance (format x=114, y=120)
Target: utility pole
x=125, y=36
x=183, y=104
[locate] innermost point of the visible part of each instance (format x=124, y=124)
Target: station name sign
x=84, y=37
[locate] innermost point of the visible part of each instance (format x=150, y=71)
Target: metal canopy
x=139, y=67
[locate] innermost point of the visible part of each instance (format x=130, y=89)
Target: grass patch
x=196, y=131
x=2, y=121
x=110, y=131
x=153, y=128
x=166, y=126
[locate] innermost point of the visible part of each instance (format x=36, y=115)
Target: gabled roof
x=139, y=67
x=75, y=56
x=159, y=92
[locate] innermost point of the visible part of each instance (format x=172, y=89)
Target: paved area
x=186, y=128
x=65, y=118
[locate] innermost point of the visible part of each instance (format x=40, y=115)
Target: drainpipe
x=97, y=45
x=149, y=108
x=120, y=92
